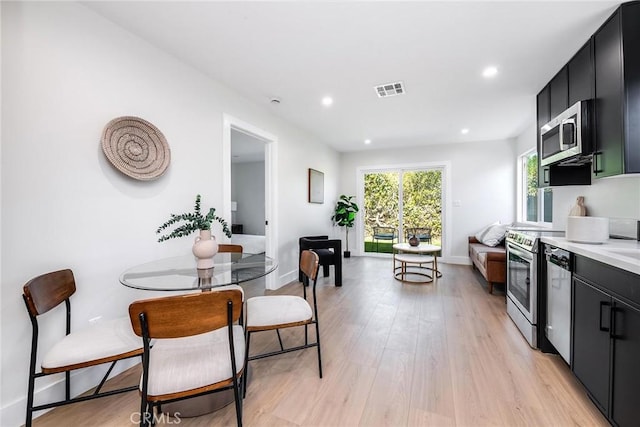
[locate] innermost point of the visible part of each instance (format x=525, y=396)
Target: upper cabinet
x=544, y=116
x=559, y=93
x=580, y=75
x=617, y=93
x=573, y=83
x=606, y=70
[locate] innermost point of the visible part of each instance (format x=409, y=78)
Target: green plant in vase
x=344, y=215
x=205, y=246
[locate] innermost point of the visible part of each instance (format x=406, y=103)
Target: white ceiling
x=302, y=51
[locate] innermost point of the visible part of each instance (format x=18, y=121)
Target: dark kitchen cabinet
x=606, y=338
x=559, y=93
x=616, y=51
x=591, y=341
x=580, y=75
x=574, y=82
x=626, y=356
x=544, y=115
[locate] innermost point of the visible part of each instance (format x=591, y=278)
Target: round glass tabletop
x=181, y=274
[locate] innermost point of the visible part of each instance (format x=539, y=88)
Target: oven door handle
x=520, y=253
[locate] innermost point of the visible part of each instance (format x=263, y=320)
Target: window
x=536, y=204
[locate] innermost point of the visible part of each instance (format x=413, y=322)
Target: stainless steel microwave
x=567, y=138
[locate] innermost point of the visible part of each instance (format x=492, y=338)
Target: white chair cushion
x=105, y=339
x=181, y=364
x=277, y=310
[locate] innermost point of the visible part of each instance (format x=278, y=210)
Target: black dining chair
x=329, y=251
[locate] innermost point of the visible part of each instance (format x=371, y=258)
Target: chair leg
x=338, y=271
x=31, y=387
x=319, y=352
x=246, y=366
x=491, y=287
x=325, y=270
x=238, y=401
x=67, y=385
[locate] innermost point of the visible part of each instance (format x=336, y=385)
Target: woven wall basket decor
x=136, y=148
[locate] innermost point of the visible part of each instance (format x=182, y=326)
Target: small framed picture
x=316, y=186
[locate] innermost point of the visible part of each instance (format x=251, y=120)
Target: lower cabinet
x=606, y=339
x=591, y=341
x=625, y=410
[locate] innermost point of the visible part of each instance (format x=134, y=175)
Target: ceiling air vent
x=389, y=89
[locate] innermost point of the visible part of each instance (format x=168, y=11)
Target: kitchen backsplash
x=617, y=197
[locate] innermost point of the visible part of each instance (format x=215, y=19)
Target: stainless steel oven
x=522, y=289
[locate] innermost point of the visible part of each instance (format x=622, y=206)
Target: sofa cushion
x=492, y=235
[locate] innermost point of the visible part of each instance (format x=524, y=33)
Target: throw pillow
x=492, y=235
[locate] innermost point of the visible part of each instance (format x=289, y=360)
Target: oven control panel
x=524, y=240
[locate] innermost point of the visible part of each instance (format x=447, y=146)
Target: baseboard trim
x=461, y=260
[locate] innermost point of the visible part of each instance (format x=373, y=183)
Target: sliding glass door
x=399, y=203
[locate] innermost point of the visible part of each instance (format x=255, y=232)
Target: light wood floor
x=441, y=354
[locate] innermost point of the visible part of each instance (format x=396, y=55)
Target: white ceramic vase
x=204, y=248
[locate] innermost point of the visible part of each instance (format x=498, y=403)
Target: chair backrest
x=236, y=249
x=422, y=233
x=385, y=231
x=185, y=315
x=46, y=291
x=309, y=264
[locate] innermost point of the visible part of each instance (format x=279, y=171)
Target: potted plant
x=345, y=216
x=205, y=246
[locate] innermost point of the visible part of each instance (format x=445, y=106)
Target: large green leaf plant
x=345, y=215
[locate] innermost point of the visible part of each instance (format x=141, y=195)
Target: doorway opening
x=249, y=188
x=399, y=203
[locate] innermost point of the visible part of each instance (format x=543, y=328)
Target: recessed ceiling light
x=367, y=141
x=327, y=100
x=490, y=72
x=464, y=131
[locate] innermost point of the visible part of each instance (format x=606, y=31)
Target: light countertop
x=624, y=254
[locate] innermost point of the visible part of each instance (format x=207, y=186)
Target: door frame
x=270, y=182
x=444, y=166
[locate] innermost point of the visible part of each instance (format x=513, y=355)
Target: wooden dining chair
x=106, y=342
x=223, y=247
x=197, y=349
x=266, y=313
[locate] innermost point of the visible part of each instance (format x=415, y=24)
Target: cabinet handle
x=545, y=175
x=594, y=163
x=613, y=333
x=604, y=304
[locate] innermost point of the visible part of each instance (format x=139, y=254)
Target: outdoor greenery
x=345, y=214
x=380, y=201
x=532, y=187
x=192, y=221
x=421, y=201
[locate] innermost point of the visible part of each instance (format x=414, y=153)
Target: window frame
x=521, y=191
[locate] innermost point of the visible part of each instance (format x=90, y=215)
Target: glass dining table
x=180, y=273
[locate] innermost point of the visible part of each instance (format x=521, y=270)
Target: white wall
x=65, y=73
x=615, y=197
x=247, y=190
x=482, y=180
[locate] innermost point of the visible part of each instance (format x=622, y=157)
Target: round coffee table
x=415, y=261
